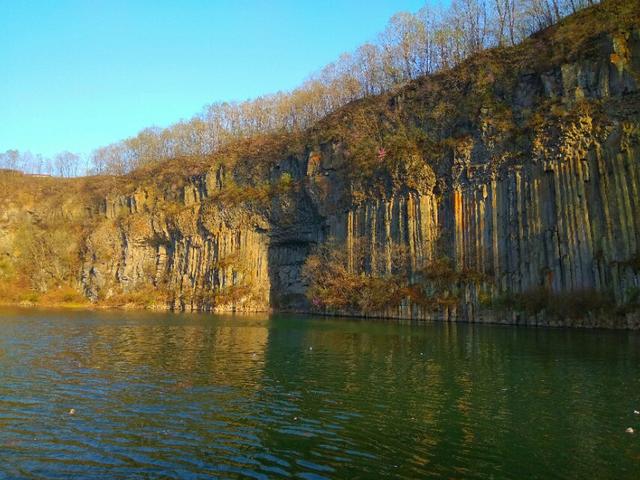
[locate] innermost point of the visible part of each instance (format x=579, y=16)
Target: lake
x=152, y=395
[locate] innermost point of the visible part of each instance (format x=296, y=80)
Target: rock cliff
x=520, y=167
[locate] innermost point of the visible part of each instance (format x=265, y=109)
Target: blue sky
x=76, y=75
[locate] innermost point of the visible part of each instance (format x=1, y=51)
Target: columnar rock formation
x=522, y=166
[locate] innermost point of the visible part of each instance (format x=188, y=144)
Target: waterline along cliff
x=506, y=189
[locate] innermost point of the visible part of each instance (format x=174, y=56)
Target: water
x=201, y=396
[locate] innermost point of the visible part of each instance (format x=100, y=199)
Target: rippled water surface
x=201, y=396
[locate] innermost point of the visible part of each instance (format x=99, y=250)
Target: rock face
x=560, y=212
x=181, y=244
x=531, y=178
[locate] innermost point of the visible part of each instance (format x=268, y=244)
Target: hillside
x=506, y=189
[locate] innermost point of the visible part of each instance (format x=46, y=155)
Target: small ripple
x=192, y=401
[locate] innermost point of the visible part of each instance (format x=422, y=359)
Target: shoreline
x=630, y=322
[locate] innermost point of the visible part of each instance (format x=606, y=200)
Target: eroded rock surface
x=531, y=179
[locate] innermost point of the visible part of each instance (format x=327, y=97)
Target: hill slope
x=506, y=189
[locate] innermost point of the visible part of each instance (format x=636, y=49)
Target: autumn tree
x=412, y=44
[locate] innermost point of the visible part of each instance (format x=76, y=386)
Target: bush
x=143, y=295
x=48, y=255
x=260, y=195
x=575, y=304
x=63, y=295
x=356, y=283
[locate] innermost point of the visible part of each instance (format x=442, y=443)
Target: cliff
x=506, y=189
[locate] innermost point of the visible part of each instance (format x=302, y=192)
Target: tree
x=66, y=164
x=410, y=46
x=11, y=159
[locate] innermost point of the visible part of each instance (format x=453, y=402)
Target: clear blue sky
x=75, y=75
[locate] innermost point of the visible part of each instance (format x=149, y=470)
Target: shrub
x=353, y=281
x=143, y=295
x=574, y=304
x=63, y=295
x=231, y=295
x=48, y=255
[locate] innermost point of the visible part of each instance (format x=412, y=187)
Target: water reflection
x=192, y=351
x=174, y=396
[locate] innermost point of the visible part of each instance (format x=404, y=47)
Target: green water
x=202, y=396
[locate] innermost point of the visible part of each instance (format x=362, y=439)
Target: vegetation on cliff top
x=412, y=45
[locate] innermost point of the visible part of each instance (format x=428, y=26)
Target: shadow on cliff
x=296, y=227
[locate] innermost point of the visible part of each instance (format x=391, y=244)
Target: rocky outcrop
x=181, y=244
x=561, y=212
x=525, y=173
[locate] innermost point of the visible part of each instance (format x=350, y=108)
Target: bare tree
x=410, y=46
x=66, y=164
